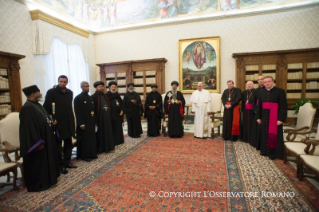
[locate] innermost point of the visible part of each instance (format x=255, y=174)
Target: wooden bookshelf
x=10, y=87
x=296, y=71
x=143, y=73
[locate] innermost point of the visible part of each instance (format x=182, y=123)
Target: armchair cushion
x=311, y=160
x=298, y=148
x=6, y=166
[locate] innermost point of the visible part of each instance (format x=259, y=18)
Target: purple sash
x=36, y=145
x=248, y=106
x=273, y=118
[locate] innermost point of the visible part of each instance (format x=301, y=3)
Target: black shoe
x=263, y=154
x=87, y=159
x=63, y=171
x=70, y=165
x=272, y=157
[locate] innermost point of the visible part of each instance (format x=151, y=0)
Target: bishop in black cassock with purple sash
x=104, y=134
x=231, y=120
x=271, y=113
x=248, y=112
x=255, y=132
x=37, y=143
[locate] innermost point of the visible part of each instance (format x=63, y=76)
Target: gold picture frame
x=199, y=61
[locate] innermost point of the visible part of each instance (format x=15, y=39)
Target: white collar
x=270, y=88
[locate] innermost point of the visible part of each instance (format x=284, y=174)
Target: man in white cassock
x=201, y=101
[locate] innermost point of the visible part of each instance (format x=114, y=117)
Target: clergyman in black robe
x=271, y=113
x=104, y=134
x=85, y=119
x=65, y=129
x=174, y=104
x=133, y=109
x=153, y=112
x=248, y=112
x=231, y=120
x=117, y=112
x=37, y=143
x=255, y=133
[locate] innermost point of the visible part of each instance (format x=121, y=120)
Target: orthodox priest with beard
x=230, y=99
x=174, y=104
x=271, y=113
x=255, y=133
x=85, y=119
x=37, y=143
x=104, y=134
x=133, y=109
x=248, y=113
x=153, y=112
x=117, y=112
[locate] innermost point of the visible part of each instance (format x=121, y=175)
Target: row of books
x=295, y=66
x=252, y=68
x=3, y=72
x=121, y=90
x=110, y=75
x=269, y=67
x=4, y=83
x=5, y=109
x=139, y=89
x=4, y=97
x=312, y=95
x=295, y=75
x=313, y=65
x=312, y=85
x=293, y=95
x=252, y=77
x=138, y=81
x=295, y=85
x=310, y=75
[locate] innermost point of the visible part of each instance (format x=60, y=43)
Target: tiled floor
x=188, y=127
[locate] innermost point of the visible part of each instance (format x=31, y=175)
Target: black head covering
x=154, y=85
x=131, y=83
x=97, y=83
x=174, y=82
x=112, y=83
x=30, y=90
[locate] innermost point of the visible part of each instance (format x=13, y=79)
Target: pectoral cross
x=117, y=103
x=154, y=101
x=229, y=99
x=92, y=113
x=105, y=107
x=49, y=121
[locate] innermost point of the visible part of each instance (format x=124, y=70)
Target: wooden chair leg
x=8, y=177
x=22, y=172
x=298, y=165
x=15, y=175
x=285, y=155
x=301, y=171
x=218, y=130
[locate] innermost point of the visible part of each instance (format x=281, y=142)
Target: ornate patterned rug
x=164, y=174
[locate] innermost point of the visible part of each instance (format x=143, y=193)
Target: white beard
x=113, y=91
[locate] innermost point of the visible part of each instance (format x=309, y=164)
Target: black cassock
x=41, y=167
x=231, y=129
x=85, y=115
x=248, y=115
x=153, y=115
x=65, y=118
x=175, y=114
x=117, y=106
x=133, y=112
x=255, y=132
x=104, y=134
x=274, y=95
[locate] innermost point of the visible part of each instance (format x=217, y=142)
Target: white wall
x=278, y=31
x=16, y=37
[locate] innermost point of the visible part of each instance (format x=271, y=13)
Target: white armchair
x=9, y=132
x=304, y=122
x=215, y=108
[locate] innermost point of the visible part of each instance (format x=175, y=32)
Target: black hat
x=129, y=84
x=97, y=83
x=30, y=90
x=175, y=82
x=112, y=83
x=154, y=85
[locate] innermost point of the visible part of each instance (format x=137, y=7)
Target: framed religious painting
x=199, y=61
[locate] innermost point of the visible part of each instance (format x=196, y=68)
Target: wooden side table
x=187, y=107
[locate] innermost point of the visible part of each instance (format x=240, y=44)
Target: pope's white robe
x=201, y=101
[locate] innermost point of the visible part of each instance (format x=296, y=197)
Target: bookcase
x=142, y=73
x=296, y=71
x=10, y=88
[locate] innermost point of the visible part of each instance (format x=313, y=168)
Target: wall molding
x=38, y=14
